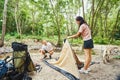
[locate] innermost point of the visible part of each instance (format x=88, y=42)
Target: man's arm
x=50, y=46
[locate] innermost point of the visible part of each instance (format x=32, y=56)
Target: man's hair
x=44, y=41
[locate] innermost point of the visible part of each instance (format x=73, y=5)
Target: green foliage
x=43, y=19
x=116, y=42
x=99, y=40
x=1, y=13
x=76, y=42
x=17, y=36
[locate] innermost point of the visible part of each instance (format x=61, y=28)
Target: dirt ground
x=98, y=71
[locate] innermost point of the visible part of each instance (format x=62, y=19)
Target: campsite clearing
x=99, y=71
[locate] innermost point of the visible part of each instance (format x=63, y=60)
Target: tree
x=56, y=18
x=56, y=14
x=17, y=20
x=4, y=23
x=83, y=9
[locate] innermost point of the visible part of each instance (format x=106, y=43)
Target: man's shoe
x=50, y=56
x=45, y=56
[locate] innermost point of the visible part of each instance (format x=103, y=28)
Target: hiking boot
x=84, y=71
x=45, y=56
x=50, y=56
x=56, y=58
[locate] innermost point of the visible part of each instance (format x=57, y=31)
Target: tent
x=67, y=64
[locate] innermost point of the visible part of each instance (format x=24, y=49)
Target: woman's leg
x=87, y=58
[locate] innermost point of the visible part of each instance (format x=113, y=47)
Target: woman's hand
x=74, y=36
x=68, y=37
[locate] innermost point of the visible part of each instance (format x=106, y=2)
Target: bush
x=17, y=36
x=116, y=42
x=98, y=40
x=76, y=42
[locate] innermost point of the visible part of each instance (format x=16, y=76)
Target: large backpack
x=21, y=58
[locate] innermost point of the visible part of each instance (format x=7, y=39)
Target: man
x=47, y=48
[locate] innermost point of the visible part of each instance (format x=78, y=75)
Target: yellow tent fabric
x=67, y=60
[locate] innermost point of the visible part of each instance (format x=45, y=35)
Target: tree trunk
x=68, y=32
x=92, y=10
x=17, y=20
x=105, y=19
x=94, y=15
x=57, y=24
x=4, y=23
x=83, y=9
x=59, y=35
x=114, y=27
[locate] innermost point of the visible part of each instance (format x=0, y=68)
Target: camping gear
x=22, y=61
x=21, y=64
x=21, y=58
x=67, y=64
x=4, y=67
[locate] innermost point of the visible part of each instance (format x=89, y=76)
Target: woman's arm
x=74, y=36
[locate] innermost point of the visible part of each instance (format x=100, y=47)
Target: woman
x=85, y=32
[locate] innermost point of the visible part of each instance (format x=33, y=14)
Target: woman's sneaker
x=88, y=69
x=85, y=71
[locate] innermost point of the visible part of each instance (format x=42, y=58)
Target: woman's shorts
x=88, y=44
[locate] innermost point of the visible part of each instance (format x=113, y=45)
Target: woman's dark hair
x=82, y=21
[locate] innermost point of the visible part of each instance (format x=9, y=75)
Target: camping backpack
x=19, y=46
x=22, y=62
x=21, y=55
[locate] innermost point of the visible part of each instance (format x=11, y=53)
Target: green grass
x=105, y=41
x=116, y=57
x=74, y=42
x=116, y=42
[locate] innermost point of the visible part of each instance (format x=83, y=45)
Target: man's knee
x=42, y=51
x=51, y=52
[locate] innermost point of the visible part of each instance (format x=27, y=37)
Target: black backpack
x=19, y=46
